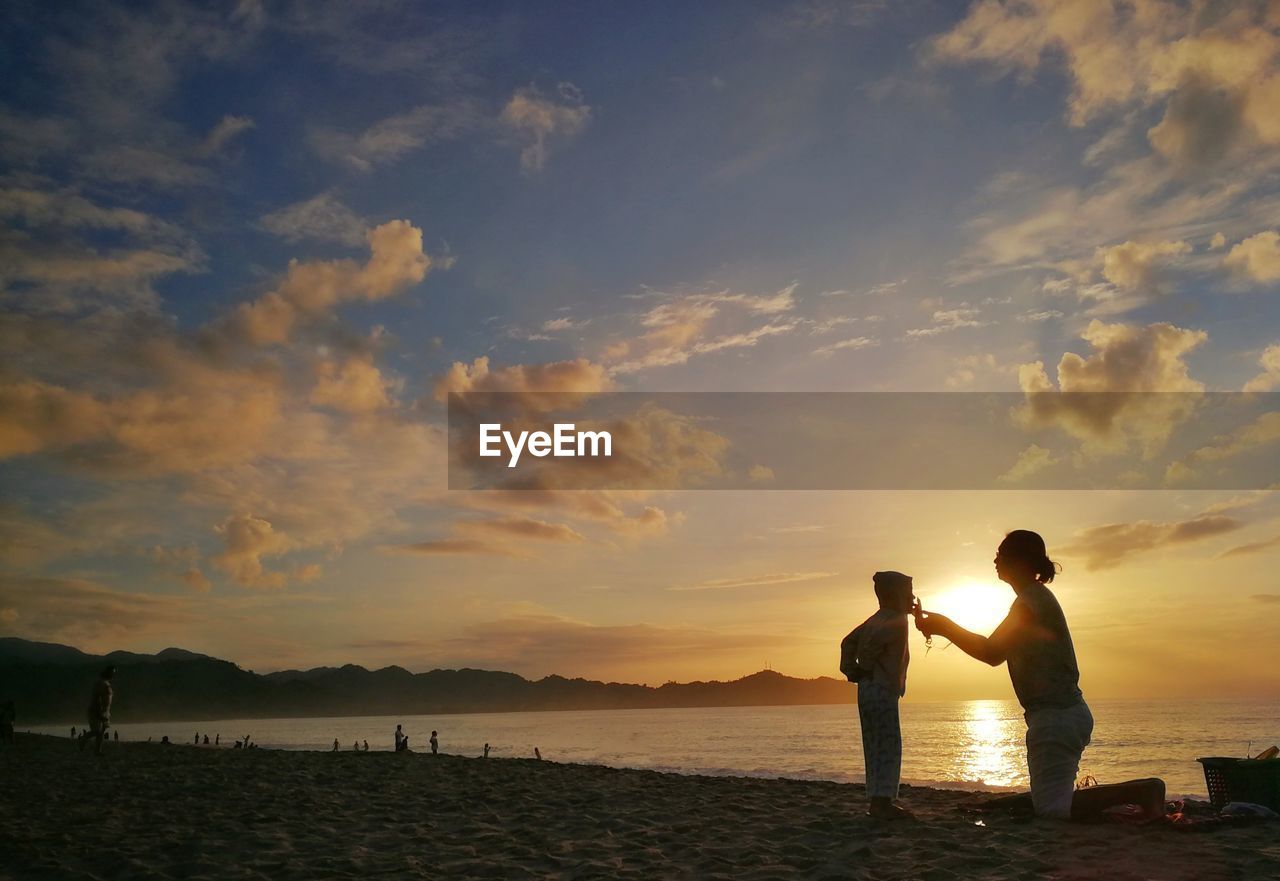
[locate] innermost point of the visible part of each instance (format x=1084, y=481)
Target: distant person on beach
x=238, y=745
x=335, y=744
x=217, y=738
x=486, y=750
x=366, y=747
x=8, y=715
x=355, y=747
x=399, y=739
x=197, y=739
x=404, y=744
x=536, y=754
x=100, y=708
x=73, y=732
x=115, y=735
x=206, y=740
x=435, y=744
x=1036, y=643
x=165, y=740
x=875, y=656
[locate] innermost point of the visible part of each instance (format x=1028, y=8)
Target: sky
x=249, y=248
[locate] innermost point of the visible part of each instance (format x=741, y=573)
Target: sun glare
x=974, y=605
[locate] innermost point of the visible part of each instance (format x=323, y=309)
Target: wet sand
x=182, y=812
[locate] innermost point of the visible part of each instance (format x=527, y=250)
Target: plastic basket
x=1252, y=780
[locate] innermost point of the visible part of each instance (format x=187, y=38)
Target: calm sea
x=961, y=743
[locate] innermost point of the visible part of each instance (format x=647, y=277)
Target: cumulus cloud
x=1269, y=378
x=246, y=540
x=1216, y=76
x=323, y=218
x=1133, y=265
x=540, y=121
x=1257, y=258
x=1126, y=358
x=539, y=386
x=355, y=385
x=1107, y=546
x=310, y=289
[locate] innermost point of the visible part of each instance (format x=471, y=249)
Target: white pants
x=881, y=739
x=1055, y=742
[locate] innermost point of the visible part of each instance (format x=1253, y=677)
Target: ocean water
x=954, y=743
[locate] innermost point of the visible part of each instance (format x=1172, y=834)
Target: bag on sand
x=849, y=655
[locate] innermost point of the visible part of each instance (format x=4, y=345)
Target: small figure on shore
x=217, y=738
x=404, y=744
x=73, y=732
x=196, y=741
x=246, y=740
x=8, y=715
x=435, y=744
x=399, y=739
x=115, y=735
x=238, y=745
x=875, y=656
x=486, y=750
x=206, y=740
x=335, y=744
x=148, y=738
x=536, y=754
x=366, y=747
x=164, y=741
x=100, y=708
x=355, y=747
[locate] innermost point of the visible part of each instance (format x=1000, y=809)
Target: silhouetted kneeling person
x=1036, y=643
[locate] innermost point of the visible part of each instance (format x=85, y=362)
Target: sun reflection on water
x=991, y=748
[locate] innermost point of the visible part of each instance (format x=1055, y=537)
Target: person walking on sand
x=399, y=739
x=366, y=747
x=875, y=656
x=435, y=744
x=217, y=739
x=1035, y=642
x=335, y=744
x=100, y=708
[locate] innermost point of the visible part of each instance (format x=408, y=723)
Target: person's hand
x=931, y=623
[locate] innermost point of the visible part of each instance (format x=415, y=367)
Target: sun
x=975, y=605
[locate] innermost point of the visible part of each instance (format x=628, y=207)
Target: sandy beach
x=152, y=811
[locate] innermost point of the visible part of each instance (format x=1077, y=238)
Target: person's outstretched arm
x=993, y=649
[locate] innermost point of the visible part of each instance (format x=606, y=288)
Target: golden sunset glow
x=975, y=605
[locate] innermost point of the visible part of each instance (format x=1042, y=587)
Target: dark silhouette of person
x=536, y=754
x=435, y=744
x=115, y=735
x=399, y=739
x=1035, y=642
x=217, y=739
x=8, y=716
x=73, y=732
x=100, y=707
x=165, y=740
x=238, y=745
x=366, y=747
x=206, y=740
x=486, y=750
x=196, y=739
x=335, y=744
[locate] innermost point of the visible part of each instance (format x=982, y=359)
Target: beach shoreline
x=146, y=810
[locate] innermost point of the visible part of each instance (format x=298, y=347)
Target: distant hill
x=50, y=683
